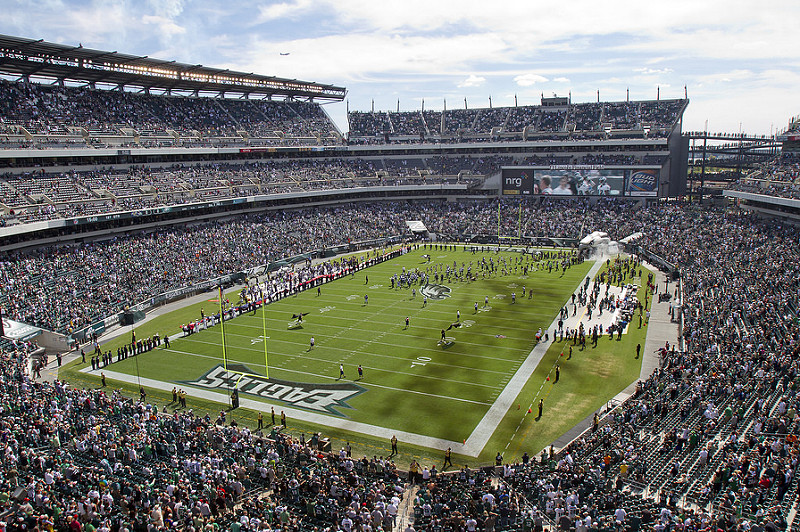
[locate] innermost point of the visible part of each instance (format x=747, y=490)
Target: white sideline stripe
x=488, y=425
x=310, y=417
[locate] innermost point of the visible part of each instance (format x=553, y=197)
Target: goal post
x=264, y=336
x=501, y=237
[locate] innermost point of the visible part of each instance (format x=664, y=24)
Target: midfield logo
x=324, y=398
x=435, y=291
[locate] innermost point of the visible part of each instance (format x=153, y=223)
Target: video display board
x=580, y=181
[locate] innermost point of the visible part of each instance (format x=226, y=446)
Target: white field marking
x=328, y=377
x=426, y=317
x=311, y=417
x=258, y=339
x=403, y=303
x=480, y=434
x=389, y=324
x=366, y=353
x=400, y=334
x=416, y=325
x=327, y=337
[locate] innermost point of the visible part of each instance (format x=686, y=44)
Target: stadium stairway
x=405, y=513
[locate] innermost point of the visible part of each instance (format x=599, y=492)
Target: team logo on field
x=324, y=398
x=435, y=291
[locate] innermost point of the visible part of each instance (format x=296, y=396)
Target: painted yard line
x=310, y=417
x=328, y=377
x=335, y=365
x=366, y=353
x=412, y=312
x=304, y=356
x=398, y=327
x=491, y=420
x=331, y=293
x=418, y=317
x=468, y=312
x=391, y=345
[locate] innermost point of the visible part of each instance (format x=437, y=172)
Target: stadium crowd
x=780, y=178
x=709, y=440
x=91, y=459
x=474, y=124
x=49, y=116
x=42, y=196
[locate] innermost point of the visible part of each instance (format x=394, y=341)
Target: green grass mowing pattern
x=404, y=390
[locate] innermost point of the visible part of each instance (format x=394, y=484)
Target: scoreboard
x=580, y=180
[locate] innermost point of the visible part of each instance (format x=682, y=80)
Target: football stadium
x=221, y=310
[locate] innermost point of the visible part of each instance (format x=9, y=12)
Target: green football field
x=412, y=381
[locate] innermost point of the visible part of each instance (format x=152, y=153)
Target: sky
x=739, y=60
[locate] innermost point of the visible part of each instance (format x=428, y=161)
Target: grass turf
x=410, y=382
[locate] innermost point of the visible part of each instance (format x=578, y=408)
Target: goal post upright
x=498, y=222
x=222, y=328
x=264, y=325
x=518, y=237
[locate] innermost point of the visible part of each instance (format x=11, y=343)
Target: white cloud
x=167, y=27
x=370, y=56
x=648, y=71
x=726, y=76
x=472, y=81
x=526, y=80
x=724, y=50
x=281, y=10
x=166, y=8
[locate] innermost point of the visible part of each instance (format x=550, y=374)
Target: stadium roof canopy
x=28, y=57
